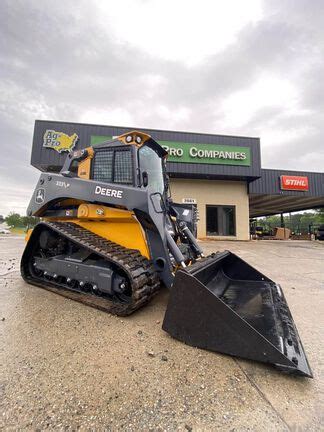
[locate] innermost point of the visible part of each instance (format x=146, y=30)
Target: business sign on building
x=207, y=153
x=99, y=139
x=298, y=183
x=198, y=153
x=59, y=141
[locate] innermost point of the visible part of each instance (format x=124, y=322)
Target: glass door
x=220, y=220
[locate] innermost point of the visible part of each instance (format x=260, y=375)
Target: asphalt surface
x=67, y=366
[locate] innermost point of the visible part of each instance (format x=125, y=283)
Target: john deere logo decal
x=40, y=196
x=59, y=141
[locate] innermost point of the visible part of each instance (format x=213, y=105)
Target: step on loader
x=110, y=237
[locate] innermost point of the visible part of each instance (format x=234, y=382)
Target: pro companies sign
x=198, y=153
x=99, y=139
x=207, y=153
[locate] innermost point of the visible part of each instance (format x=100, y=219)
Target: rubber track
x=142, y=276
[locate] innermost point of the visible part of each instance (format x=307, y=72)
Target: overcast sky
x=230, y=67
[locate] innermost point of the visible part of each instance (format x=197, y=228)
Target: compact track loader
x=110, y=236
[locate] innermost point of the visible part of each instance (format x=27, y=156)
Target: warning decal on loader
x=59, y=141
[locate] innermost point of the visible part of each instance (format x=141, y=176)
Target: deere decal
x=59, y=141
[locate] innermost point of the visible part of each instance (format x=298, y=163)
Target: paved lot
x=67, y=366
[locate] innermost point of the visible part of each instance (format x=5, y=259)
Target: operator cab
x=133, y=159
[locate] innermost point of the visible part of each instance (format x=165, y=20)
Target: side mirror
x=145, y=178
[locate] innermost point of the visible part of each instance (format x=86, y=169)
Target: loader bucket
x=223, y=304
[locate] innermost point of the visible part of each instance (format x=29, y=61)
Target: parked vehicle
x=110, y=236
x=4, y=231
x=320, y=233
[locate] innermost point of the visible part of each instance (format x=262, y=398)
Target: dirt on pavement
x=68, y=366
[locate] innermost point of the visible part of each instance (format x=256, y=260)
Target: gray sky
x=241, y=68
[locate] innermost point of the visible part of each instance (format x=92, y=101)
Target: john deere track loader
x=110, y=237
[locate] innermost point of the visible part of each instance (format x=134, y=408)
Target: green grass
x=18, y=230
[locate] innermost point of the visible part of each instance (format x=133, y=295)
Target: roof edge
x=152, y=129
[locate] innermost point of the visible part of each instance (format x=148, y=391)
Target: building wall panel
x=215, y=192
x=269, y=183
x=48, y=159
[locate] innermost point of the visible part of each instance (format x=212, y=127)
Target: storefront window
x=220, y=220
x=229, y=220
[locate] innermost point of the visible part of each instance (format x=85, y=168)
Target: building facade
x=221, y=175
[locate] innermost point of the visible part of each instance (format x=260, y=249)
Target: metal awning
x=266, y=205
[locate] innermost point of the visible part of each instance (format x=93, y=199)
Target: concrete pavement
x=68, y=366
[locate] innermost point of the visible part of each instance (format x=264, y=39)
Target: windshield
x=150, y=162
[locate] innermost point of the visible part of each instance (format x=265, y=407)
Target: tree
x=29, y=221
x=320, y=213
x=14, y=220
x=298, y=222
x=307, y=219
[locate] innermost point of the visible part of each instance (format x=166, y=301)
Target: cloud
x=185, y=31
x=256, y=71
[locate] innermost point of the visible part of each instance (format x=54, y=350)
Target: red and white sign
x=294, y=183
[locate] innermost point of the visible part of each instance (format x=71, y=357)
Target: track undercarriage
x=72, y=261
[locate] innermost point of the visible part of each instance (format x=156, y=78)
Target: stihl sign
x=294, y=183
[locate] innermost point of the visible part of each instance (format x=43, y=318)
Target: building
x=221, y=175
